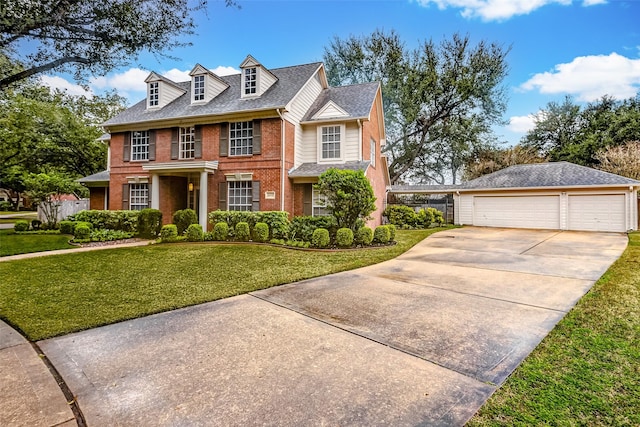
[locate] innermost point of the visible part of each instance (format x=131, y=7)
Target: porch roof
x=177, y=167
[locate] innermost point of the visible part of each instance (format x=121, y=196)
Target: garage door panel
x=601, y=212
x=517, y=211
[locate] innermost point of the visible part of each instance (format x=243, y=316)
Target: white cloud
x=56, y=82
x=590, y=77
x=499, y=10
x=131, y=80
x=521, y=124
x=176, y=75
x=224, y=71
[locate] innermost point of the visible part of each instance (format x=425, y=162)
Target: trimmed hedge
x=302, y=227
x=21, y=225
x=184, y=218
x=344, y=237
x=242, y=232
x=220, y=231
x=124, y=220
x=149, y=223
x=364, y=236
x=169, y=233
x=320, y=238
x=67, y=227
x=278, y=221
x=382, y=234
x=82, y=231
x=261, y=232
x=194, y=233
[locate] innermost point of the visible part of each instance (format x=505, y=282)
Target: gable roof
x=309, y=170
x=355, y=100
x=290, y=81
x=554, y=174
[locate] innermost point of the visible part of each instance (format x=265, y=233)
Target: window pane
x=140, y=145
x=187, y=143
x=138, y=196
x=241, y=139
x=240, y=196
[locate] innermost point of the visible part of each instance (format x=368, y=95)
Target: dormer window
x=154, y=94
x=198, y=88
x=250, y=81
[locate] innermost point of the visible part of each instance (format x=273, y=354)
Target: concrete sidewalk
x=423, y=339
x=74, y=250
x=29, y=394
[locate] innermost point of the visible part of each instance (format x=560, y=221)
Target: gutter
x=282, y=160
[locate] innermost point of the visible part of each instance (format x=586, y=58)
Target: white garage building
x=561, y=196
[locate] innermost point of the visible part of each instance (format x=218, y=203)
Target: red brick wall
x=173, y=191
x=376, y=174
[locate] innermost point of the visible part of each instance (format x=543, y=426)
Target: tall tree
x=91, y=36
x=425, y=91
x=621, y=159
x=492, y=159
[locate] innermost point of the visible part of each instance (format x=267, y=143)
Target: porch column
x=155, y=191
x=202, y=214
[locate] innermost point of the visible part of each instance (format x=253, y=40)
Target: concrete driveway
x=420, y=340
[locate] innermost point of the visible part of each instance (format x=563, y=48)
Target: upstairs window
x=140, y=145
x=330, y=137
x=154, y=94
x=187, y=143
x=373, y=152
x=198, y=88
x=240, y=196
x=250, y=81
x=241, y=139
x=138, y=196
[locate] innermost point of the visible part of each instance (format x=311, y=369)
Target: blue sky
x=583, y=48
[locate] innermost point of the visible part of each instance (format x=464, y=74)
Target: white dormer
x=205, y=85
x=255, y=79
x=161, y=91
x=331, y=110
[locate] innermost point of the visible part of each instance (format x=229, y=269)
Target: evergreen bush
x=21, y=225
x=344, y=237
x=364, y=236
x=169, y=233
x=149, y=223
x=261, y=232
x=242, y=232
x=183, y=219
x=194, y=233
x=220, y=231
x=320, y=238
x=382, y=234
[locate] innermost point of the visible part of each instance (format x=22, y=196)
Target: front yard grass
x=14, y=244
x=586, y=371
x=50, y=296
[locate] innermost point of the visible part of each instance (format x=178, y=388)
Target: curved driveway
x=423, y=339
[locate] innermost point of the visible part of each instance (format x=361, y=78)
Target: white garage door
x=517, y=211
x=603, y=212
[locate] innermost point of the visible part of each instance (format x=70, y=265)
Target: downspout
x=282, y=163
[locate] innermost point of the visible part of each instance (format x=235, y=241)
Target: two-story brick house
x=257, y=140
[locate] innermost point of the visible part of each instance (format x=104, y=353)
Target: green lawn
x=49, y=296
x=586, y=372
x=14, y=244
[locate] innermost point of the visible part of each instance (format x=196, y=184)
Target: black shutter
x=126, y=153
x=257, y=137
x=175, y=145
x=125, y=197
x=152, y=145
x=224, y=139
x=255, y=193
x=197, y=142
x=307, y=200
x=222, y=196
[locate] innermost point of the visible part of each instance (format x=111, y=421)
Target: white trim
x=137, y=180
x=330, y=105
x=193, y=166
x=342, y=141
x=239, y=176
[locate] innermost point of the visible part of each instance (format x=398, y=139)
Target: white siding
x=214, y=88
x=168, y=93
x=464, y=210
x=297, y=109
x=351, y=144
x=266, y=80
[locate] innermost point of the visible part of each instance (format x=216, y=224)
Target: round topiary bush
x=195, y=233
x=392, y=232
x=242, y=232
x=169, y=233
x=21, y=225
x=320, y=238
x=82, y=231
x=364, y=236
x=67, y=227
x=220, y=231
x=260, y=232
x=183, y=219
x=382, y=234
x=344, y=237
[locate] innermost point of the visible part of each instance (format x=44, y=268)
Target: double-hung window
x=250, y=81
x=138, y=196
x=198, y=88
x=240, y=196
x=330, y=140
x=319, y=204
x=241, y=138
x=187, y=143
x=154, y=94
x=140, y=145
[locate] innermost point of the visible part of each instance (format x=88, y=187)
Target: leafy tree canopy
x=432, y=96
x=91, y=36
x=45, y=189
x=350, y=197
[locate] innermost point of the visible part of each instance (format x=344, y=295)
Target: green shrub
x=124, y=220
x=208, y=236
x=183, y=219
x=221, y=231
x=277, y=241
x=67, y=227
x=344, y=237
x=260, y=232
x=6, y=206
x=425, y=218
x=109, y=235
x=242, y=232
x=401, y=215
x=21, y=225
x=232, y=218
x=364, y=236
x=320, y=238
x=437, y=215
x=149, y=223
x=82, y=231
x=194, y=233
x=35, y=224
x=392, y=232
x=278, y=222
x=381, y=234
x=169, y=233
x=302, y=227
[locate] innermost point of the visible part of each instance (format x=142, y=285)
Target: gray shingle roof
x=556, y=174
x=356, y=100
x=290, y=81
x=308, y=170
x=99, y=177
